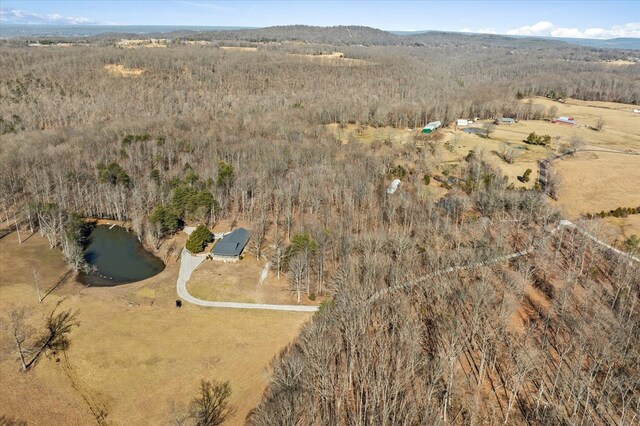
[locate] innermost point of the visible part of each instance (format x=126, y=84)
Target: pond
x=475, y=131
x=117, y=257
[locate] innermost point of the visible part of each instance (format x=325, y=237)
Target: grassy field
x=240, y=282
x=369, y=134
x=122, y=71
x=134, y=354
x=591, y=181
x=596, y=181
x=621, y=129
x=335, y=58
x=239, y=49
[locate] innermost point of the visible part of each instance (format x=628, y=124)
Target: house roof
x=232, y=244
x=394, y=186
x=433, y=125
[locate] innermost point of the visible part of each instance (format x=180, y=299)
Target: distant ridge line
x=339, y=34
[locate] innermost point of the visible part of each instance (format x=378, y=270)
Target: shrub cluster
x=619, y=212
x=534, y=139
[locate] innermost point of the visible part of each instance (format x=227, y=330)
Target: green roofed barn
x=230, y=247
x=432, y=126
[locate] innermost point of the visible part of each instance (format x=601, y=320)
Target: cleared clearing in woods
x=596, y=181
x=133, y=352
x=239, y=49
x=123, y=71
x=334, y=58
x=591, y=181
x=240, y=282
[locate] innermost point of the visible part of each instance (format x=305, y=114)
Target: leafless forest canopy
x=204, y=133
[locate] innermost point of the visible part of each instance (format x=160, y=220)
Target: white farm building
x=394, y=186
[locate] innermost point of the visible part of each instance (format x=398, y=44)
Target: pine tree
x=198, y=239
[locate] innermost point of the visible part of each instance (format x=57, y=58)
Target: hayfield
x=122, y=71
x=134, y=355
x=369, y=134
x=239, y=48
x=596, y=181
x=603, y=177
x=334, y=58
x=621, y=125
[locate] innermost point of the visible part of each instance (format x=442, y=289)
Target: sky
x=585, y=19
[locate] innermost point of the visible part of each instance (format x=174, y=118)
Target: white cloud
x=479, y=31
x=18, y=16
x=546, y=28
x=539, y=29
x=567, y=32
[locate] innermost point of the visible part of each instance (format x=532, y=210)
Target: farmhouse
x=505, y=120
x=462, y=122
x=230, y=247
x=430, y=127
x=569, y=121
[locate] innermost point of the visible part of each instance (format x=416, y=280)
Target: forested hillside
x=193, y=134
x=425, y=328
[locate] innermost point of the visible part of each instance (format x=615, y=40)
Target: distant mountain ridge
x=612, y=43
x=627, y=43
x=337, y=35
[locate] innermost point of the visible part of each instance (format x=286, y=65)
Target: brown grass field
x=149, y=42
x=335, y=58
x=591, y=181
x=240, y=282
x=369, y=134
x=596, y=181
x=134, y=354
x=239, y=49
x=122, y=71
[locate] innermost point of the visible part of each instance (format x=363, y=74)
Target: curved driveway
x=189, y=262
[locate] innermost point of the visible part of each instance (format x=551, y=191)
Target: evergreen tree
x=198, y=239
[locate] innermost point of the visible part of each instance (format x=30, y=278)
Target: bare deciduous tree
x=15, y=326
x=297, y=267
x=211, y=407
x=507, y=153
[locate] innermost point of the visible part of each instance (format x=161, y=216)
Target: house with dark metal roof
x=230, y=247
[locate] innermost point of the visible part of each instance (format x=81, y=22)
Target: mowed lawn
x=134, y=356
x=241, y=282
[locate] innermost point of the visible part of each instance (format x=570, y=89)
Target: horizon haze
x=601, y=20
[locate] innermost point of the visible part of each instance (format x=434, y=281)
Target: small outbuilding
x=462, y=122
x=394, y=186
x=569, y=121
x=430, y=127
x=231, y=246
